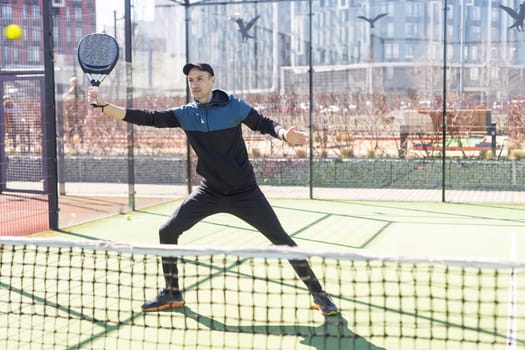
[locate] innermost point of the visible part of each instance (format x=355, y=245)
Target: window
x=56, y=32
x=475, y=33
x=450, y=52
x=78, y=14
x=495, y=14
x=5, y=54
x=494, y=73
x=474, y=52
x=69, y=39
x=409, y=51
x=388, y=51
x=7, y=12
x=450, y=12
x=78, y=33
x=474, y=73
x=298, y=41
x=343, y=4
x=475, y=13
x=411, y=9
x=411, y=30
x=391, y=51
x=390, y=7
x=34, y=54
x=395, y=50
x=35, y=11
x=433, y=52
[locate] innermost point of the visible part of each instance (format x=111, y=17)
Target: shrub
x=301, y=153
x=347, y=152
x=256, y=152
x=517, y=154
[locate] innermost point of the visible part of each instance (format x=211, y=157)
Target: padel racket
x=97, y=55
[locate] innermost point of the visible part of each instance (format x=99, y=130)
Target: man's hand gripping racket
x=97, y=55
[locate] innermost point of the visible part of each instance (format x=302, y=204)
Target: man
x=74, y=110
x=212, y=123
x=16, y=125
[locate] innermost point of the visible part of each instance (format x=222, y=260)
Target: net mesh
x=63, y=294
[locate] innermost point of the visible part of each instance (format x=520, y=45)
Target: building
x=73, y=19
x=402, y=51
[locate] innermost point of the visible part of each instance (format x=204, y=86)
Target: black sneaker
x=324, y=303
x=165, y=300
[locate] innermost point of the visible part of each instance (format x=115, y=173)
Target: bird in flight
x=371, y=21
x=245, y=27
x=518, y=17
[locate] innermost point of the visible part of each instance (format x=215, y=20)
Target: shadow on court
x=333, y=334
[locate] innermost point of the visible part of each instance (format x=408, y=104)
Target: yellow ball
x=13, y=32
x=128, y=217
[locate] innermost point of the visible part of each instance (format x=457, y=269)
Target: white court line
x=512, y=322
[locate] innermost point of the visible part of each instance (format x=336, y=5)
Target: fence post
x=403, y=141
x=492, y=132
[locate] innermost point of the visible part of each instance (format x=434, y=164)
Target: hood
x=220, y=97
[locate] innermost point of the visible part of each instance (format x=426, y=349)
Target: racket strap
x=94, y=105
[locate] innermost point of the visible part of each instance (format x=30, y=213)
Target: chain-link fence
x=370, y=81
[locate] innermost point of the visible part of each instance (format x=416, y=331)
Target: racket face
x=97, y=53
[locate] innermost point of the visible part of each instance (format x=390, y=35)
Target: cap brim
x=187, y=67
x=203, y=66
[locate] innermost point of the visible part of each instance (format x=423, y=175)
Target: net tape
x=275, y=252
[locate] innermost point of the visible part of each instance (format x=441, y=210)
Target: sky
x=143, y=10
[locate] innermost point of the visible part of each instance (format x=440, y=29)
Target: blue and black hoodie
x=214, y=131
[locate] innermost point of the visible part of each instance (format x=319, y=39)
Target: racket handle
x=94, y=88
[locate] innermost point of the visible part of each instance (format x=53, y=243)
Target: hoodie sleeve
x=264, y=125
x=158, y=119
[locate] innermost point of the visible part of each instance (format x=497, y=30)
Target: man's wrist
x=282, y=134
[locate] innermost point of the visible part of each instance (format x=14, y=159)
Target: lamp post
x=444, y=116
x=371, y=24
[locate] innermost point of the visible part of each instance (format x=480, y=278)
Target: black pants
x=251, y=206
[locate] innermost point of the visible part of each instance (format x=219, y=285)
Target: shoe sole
x=165, y=306
x=328, y=313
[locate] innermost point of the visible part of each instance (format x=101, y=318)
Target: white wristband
x=282, y=131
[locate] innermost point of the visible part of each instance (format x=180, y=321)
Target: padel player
x=212, y=123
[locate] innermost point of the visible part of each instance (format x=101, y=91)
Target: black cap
x=203, y=66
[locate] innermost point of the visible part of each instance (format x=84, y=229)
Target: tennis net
x=60, y=294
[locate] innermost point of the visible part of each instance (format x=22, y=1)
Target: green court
x=253, y=303
x=428, y=229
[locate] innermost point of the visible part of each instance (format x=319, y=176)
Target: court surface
x=400, y=228
x=411, y=229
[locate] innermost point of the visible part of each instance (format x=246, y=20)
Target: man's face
x=200, y=84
